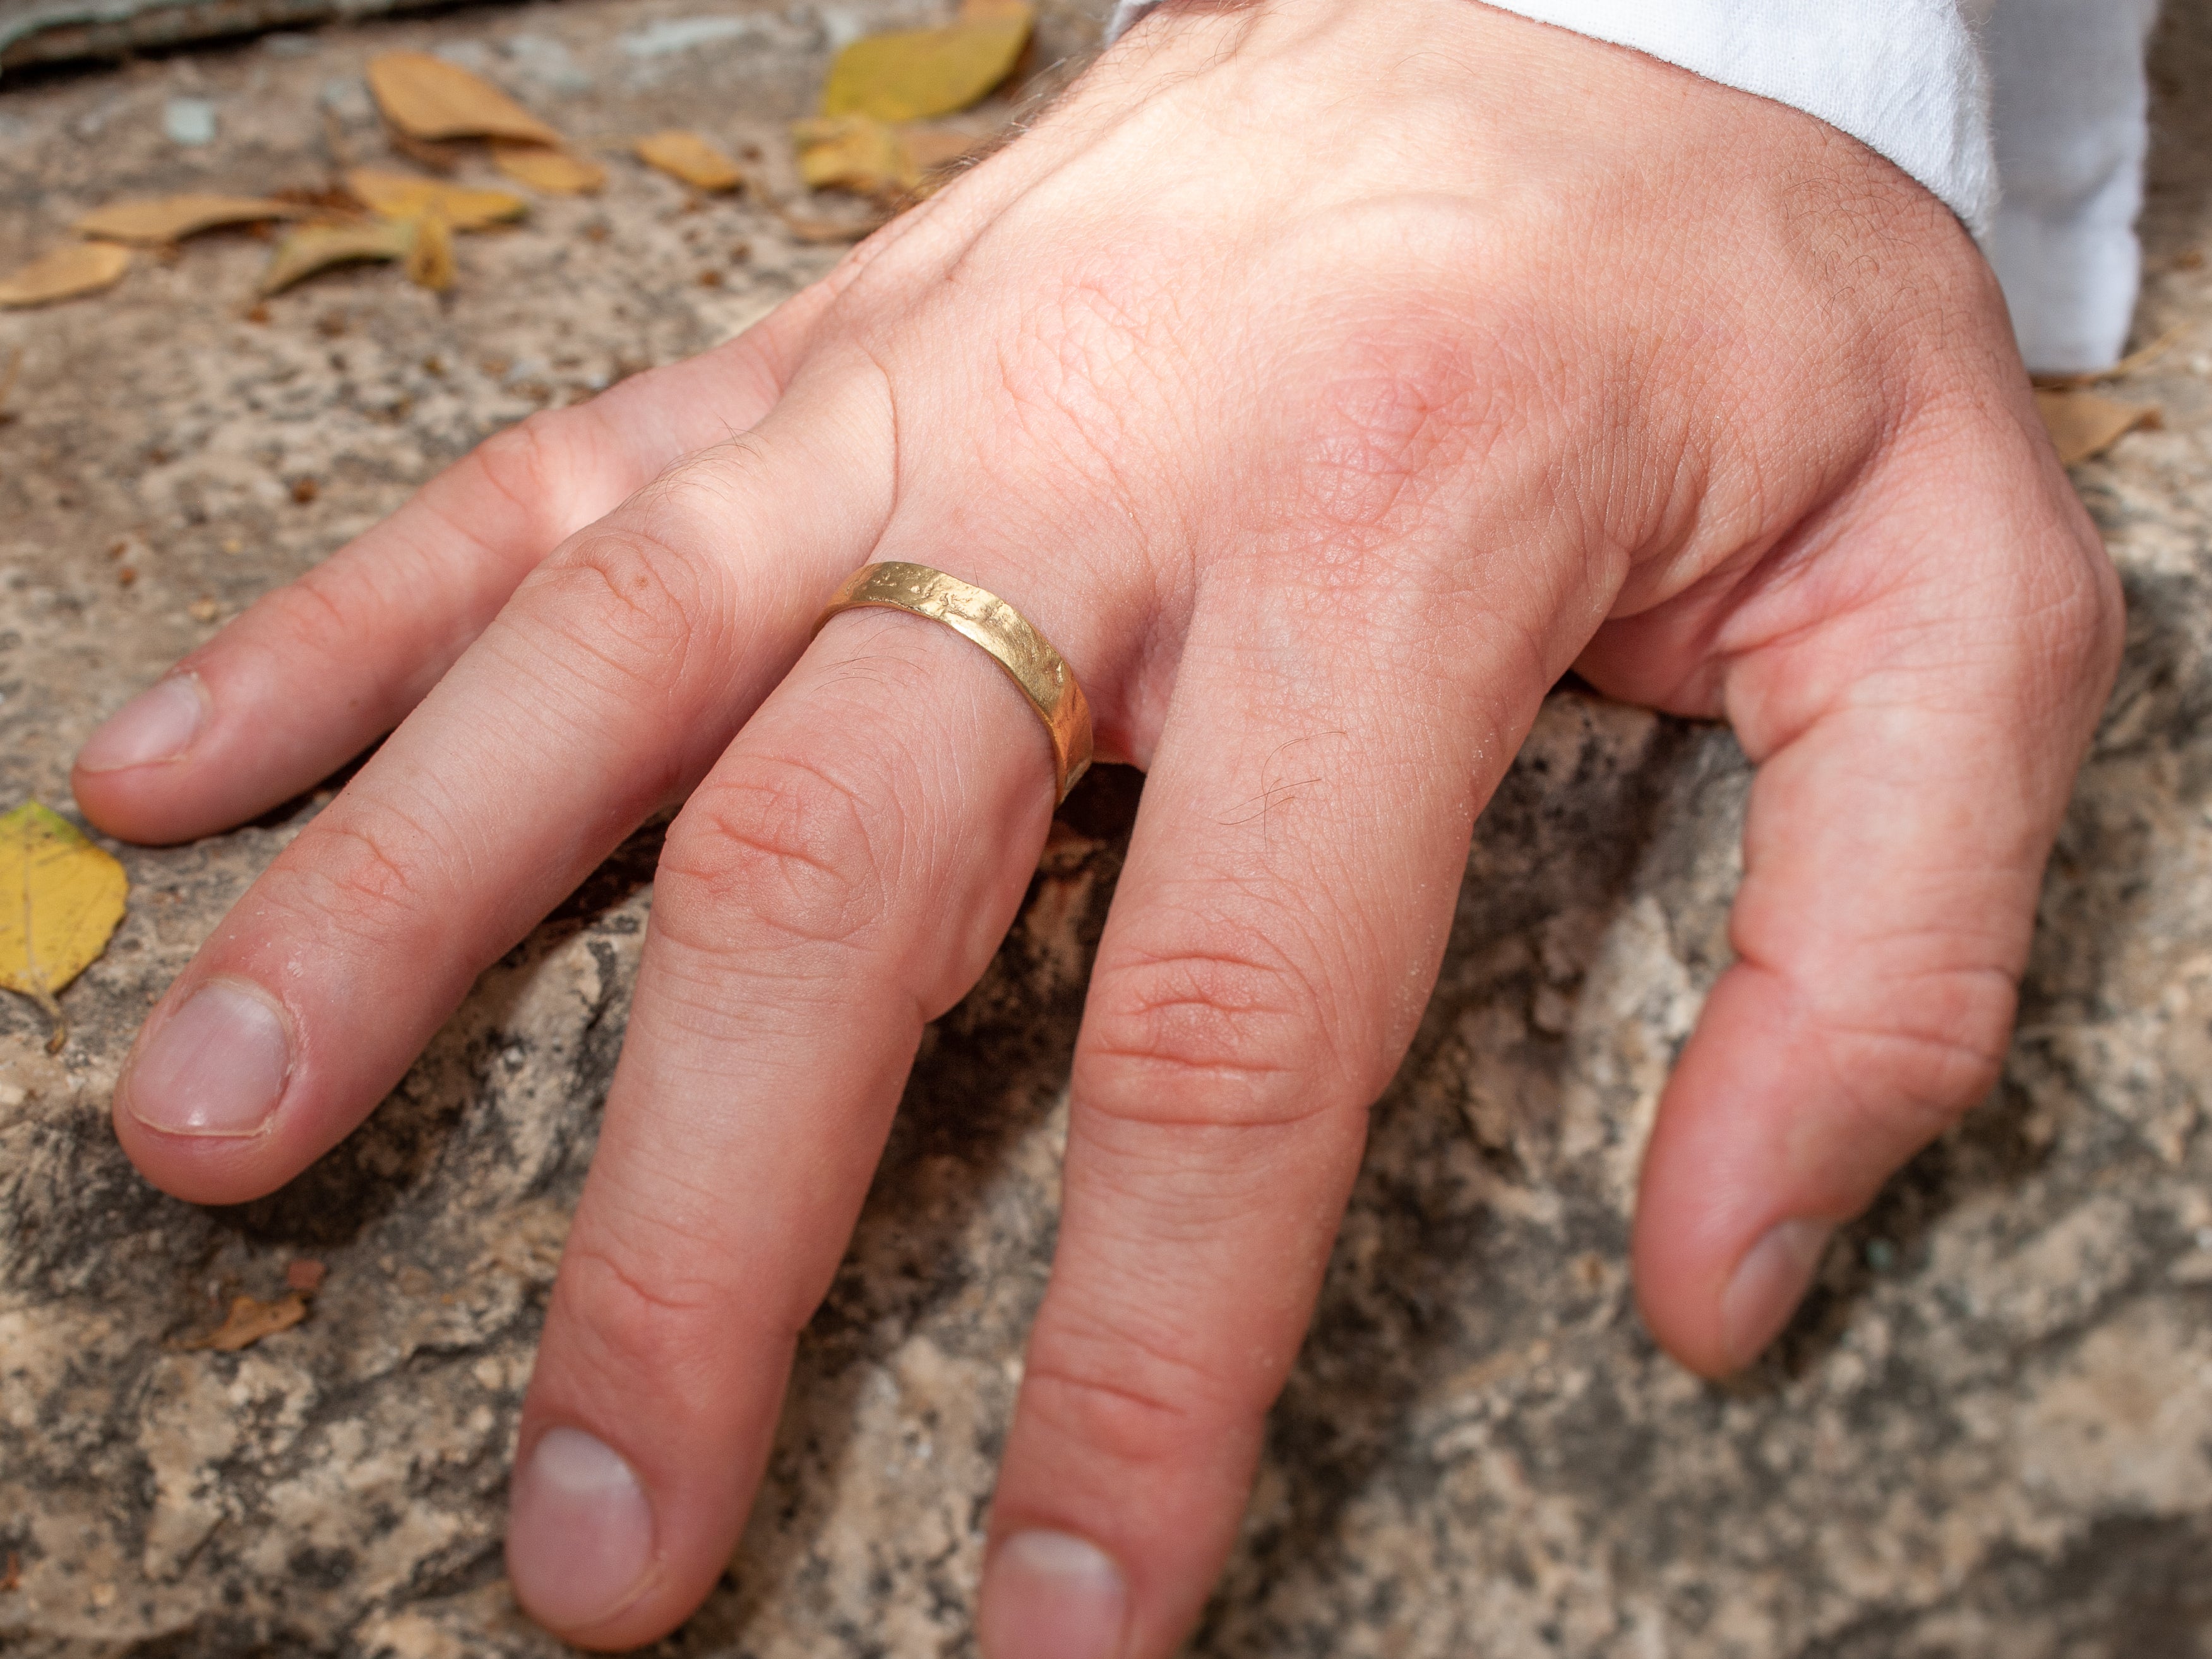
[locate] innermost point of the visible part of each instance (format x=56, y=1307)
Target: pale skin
x=1329, y=373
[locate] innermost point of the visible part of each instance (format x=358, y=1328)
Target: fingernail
x=159, y=724
x=1768, y=1285
x=216, y=1066
x=1050, y=1595
x=579, y=1531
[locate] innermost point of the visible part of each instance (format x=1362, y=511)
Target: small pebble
x=189, y=121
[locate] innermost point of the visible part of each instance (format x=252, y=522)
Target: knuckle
x=623, y=601
x=636, y=1311
x=1118, y=1395
x=770, y=850
x=368, y=871
x=1225, y=1030
x=1408, y=392
x=531, y=465
x=1937, y=1050
x=322, y=614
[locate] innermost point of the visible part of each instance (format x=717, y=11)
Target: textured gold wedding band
x=1026, y=655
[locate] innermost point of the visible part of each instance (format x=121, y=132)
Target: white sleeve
x=1910, y=80
x=1903, y=77
x=2072, y=128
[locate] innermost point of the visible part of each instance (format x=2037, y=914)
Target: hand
x=1324, y=379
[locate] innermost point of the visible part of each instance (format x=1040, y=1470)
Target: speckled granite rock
x=1988, y=1434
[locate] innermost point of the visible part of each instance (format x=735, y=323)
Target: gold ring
x=1026, y=655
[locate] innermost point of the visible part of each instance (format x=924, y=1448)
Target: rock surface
x=1990, y=1433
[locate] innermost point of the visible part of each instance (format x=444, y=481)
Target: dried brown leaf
x=2083, y=424
x=249, y=1321
x=317, y=247
x=430, y=258
x=803, y=228
x=427, y=97
x=441, y=159
x=689, y=157
x=853, y=152
x=551, y=171
x=403, y=195
x=917, y=73
x=157, y=219
x=305, y=1274
x=67, y=272
x=2128, y=365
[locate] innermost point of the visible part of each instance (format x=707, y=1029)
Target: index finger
x=315, y=672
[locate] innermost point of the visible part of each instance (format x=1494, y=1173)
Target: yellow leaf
x=156, y=219
x=60, y=897
x=687, y=156
x=919, y=73
x=82, y=268
x=430, y=256
x=249, y=1321
x=551, y=171
x=2082, y=424
x=317, y=247
x=852, y=152
x=427, y=97
x=405, y=196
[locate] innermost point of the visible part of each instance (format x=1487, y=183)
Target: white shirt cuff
x=1904, y=77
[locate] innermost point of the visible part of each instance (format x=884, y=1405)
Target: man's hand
x=1324, y=379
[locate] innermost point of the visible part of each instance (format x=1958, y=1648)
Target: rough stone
x=1990, y=1433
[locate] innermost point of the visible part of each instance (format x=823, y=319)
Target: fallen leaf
x=67, y=272
x=687, y=156
x=403, y=195
x=317, y=247
x=305, y=1274
x=2128, y=365
x=7, y=383
x=430, y=258
x=427, y=97
x=60, y=898
x=13, y=1578
x=853, y=152
x=156, y=219
x=439, y=158
x=2083, y=424
x=543, y=167
x=249, y=1321
x=917, y=73
x=801, y=228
